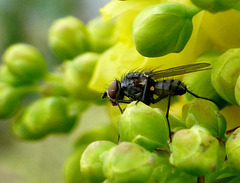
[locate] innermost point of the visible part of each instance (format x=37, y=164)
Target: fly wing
x=178, y=70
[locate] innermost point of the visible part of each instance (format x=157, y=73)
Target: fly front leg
x=123, y=101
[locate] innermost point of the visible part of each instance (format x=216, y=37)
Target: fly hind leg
x=201, y=97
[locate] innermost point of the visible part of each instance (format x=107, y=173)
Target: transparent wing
x=178, y=70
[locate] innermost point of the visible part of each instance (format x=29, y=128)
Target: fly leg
x=167, y=114
x=121, y=110
x=201, y=97
x=146, y=92
x=123, y=101
x=159, y=98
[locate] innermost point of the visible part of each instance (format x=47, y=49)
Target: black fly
x=143, y=86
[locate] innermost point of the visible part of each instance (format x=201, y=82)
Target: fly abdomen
x=169, y=87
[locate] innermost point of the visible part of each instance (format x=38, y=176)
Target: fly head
x=113, y=92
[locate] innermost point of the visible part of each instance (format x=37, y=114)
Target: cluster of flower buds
x=61, y=95
x=144, y=153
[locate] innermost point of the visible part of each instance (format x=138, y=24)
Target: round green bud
x=129, y=162
x=25, y=62
x=20, y=130
x=91, y=162
x=163, y=28
x=206, y=114
x=144, y=125
x=10, y=100
x=68, y=37
x=8, y=77
x=101, y=34
x=225, y=73
x=216, y=5
x=233, y=151
x=196, y=152
x=48, y=115
x=200, y=82
x=77, y=75
x=72, y=172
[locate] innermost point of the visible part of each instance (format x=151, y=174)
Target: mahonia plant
x=135, y=146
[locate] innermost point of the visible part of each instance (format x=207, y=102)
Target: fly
x=143, y=86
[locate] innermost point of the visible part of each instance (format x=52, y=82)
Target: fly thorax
x=133, y=84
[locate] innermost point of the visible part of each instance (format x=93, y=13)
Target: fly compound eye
x=113, y=90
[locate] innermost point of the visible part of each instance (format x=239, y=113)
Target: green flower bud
x=129, y=162
x=101, y=34
x=144, y=125
x=77, y=75
x=163, y=28
x=25, y=62
x=20, y=130
x=196, y=152
x=47, y=115
x=72, y=172
x=200, y=82
x=225, y=73
x=10, y=99
x=233, y=151
x=206, y=114
x=91, y=161
x=216, y=5
x=68, y=37
x=9, y=78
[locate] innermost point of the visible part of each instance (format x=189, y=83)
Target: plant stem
x=201, y=179
x=53, y=77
